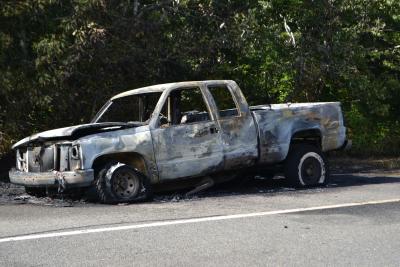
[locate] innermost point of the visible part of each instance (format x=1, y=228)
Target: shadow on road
x=10, y=194
x=259, y=185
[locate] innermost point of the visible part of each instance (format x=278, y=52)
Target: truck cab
x=203, y=128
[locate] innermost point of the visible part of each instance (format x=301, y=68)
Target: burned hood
x=75, y=132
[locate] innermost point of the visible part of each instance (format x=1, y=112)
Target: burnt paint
x=278, y=123
x=127, y=140
x=259, y=134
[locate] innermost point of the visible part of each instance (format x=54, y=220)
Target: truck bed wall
x=278, y=123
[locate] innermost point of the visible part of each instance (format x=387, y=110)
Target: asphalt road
x=354, y=221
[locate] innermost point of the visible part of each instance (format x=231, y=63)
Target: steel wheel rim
x=125, y=184
x=311, y=170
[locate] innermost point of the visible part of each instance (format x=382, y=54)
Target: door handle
x=214, y=130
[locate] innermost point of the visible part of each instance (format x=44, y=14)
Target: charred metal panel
x=21, y=159
x=36, y=159
x=187, y=150
x=63, y=157
x=33, y=156
x=278, y=123
x=127, y=140
x=184, y=150
x=239, y=141
x=238, y=133
x=72, y=132
x=47, y=158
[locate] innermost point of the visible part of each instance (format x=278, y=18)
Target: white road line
x=187, y=221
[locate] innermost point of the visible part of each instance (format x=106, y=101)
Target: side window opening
x=184, y=106
x=224, y=100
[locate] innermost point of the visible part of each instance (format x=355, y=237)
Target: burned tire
x=306, y=166
x=120, y=183
x=35, y=191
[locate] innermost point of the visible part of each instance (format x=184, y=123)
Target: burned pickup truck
x=179, y=132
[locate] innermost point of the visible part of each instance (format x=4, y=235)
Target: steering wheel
x=163, y=119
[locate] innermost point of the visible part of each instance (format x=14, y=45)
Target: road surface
x=354, y=221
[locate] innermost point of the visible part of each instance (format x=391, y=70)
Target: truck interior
x=186, y=105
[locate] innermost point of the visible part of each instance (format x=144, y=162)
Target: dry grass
x=364, y=164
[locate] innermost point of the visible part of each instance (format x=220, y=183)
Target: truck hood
x=75, y=132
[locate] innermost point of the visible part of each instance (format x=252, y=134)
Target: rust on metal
x=164, y=147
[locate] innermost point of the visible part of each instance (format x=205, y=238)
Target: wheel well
x=312, y=137
x=132, y=159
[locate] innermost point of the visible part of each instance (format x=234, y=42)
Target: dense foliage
x=60, y=60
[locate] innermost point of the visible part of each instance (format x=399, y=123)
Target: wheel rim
x=125, y=184
x=311, y=171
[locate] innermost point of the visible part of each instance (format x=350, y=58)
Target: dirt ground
x=340, y=164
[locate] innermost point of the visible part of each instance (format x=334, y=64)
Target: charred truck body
x=179, y=132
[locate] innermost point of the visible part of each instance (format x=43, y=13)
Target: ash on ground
x=15, y=194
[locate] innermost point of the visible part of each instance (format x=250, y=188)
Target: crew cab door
x=238, y=131
x=187, y=140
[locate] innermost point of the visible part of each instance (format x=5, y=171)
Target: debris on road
x=14, y=195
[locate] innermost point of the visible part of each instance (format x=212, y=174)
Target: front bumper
x=54, y=178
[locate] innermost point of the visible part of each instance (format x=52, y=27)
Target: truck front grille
x=43, y=158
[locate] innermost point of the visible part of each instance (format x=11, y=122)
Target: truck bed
x=278, y=123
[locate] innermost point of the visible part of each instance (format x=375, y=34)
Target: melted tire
x=306, y=166
x=106, y=189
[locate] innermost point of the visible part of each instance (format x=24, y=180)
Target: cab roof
x=165, y=86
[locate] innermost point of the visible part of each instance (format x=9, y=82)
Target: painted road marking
x=188, y=221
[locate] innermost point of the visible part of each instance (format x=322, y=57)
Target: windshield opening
x=133, y=108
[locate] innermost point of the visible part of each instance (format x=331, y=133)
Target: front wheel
x=306, y=166
x=119, y=183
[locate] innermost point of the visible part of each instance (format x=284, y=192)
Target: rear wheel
x=119, y=183
x=306, y=166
